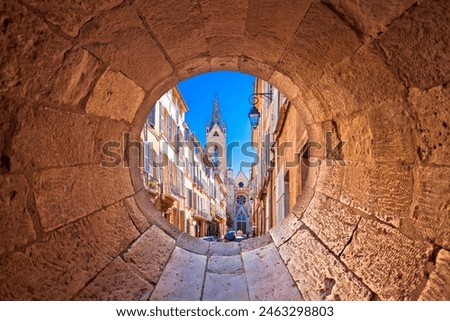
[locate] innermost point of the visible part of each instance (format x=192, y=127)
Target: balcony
x=153, y=185
x=204, y=215
x=174, y=190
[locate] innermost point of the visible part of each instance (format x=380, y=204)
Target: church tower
x=216, y=139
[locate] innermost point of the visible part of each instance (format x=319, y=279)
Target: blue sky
x=233, y=90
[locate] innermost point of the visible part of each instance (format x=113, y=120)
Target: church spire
x=216, y=117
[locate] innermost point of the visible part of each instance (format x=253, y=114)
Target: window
x=161, y=117
x=151, y=117
x=148, y=164
x=241, y=200
x=241, y=184
x=216, y=134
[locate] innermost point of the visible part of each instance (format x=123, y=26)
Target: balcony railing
x=153, y=184
x=174, y=190
x=204, y=214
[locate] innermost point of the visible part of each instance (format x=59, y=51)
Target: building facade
x=279, y=176
x=185, y=185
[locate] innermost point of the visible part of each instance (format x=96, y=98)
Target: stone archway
x=74, y=78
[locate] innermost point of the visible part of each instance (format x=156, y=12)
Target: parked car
x=230, y=236
x=239, y=238
x=208, y=238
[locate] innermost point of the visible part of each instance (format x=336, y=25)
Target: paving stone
x=437, y=287
x=148, y=256
x=433, y=115
x=117, y=282
x=405, y=41
x=182, y=278
x=70, y=17
x=16, y=225
x=64, y=195
x=285, y=229
x=392, y=265
x=331, y=221
x=64, y=138
x=318, y=273
x=115, y=96
x=60, y=265
x=192, y=244
x=267, y=276
x=255, y=242
x=224, y=249
x=225, y=287
x=225, y=264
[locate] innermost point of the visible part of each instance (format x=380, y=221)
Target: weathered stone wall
x=74, y=76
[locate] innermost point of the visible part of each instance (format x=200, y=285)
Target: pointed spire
x=216, y=117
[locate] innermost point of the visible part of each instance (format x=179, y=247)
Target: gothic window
x=241, y=184
x=241, y=200
x=216, y=134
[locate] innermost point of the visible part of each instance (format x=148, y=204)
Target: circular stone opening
x=207, y=171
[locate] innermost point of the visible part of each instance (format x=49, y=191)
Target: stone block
x=116, y=282
x=116, y=97
x=70, y=17
x=182, y=279
x=74, y=78
x=433, y=115
x=360, y=82
x=330, y=179
x=392, y=265
x=224, y=249
x=270, y=26
x=321, y=41
x=333, y=222
x=318, y=273
x=267, y=276
x=437, y=287
x=225, y=264
x=120, y=39
x=48, y=137
x=371, y=17
x=285, y=229
x=392, y=130
x=225, y=287
x=32, y=52
x=431, y=209
x=224, y=63
x=60, y=265
x=222, y=46
x=16, y=225
x=64, y=195
x=224, y=19
x=415, y=44
x=192, y=244
x=136, y=215
x=255, y=242
x=303, y=201
x=148, y=256
x=381, y=190
x=182, y=39
x=255, y=67
x=356, y=132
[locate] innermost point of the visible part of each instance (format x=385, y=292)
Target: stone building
x=185, y=186
x=281, y=171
